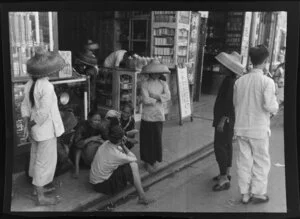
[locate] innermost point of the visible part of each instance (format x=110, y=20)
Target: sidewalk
x=178, y=141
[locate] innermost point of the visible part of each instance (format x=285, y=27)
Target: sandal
x=216, y=178
x=258, y=200
x=218, y=187
x=145, y=201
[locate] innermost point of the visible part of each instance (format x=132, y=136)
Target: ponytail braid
x=31, y=97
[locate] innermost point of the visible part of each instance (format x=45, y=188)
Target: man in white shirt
x=117, y=58
x=255, y=101
x=43, y=123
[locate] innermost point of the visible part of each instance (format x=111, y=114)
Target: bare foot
x=48, y=201
x=145, y=201
x=75, y=175
x=149, y=168
x=46, y=190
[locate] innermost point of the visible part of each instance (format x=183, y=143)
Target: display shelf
x=123, y=88
x=234, y=31
x=170, y=39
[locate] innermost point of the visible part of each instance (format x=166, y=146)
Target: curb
x=148, y=180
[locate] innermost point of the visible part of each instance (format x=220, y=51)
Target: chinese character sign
x=184, y=92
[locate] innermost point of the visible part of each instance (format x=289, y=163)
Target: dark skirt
x=151, y=141
x=117, y=181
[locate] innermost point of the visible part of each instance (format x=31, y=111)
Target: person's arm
x=229, y=98
x=227, y=89
x=43, y=111
x=234, y=96
x=145, y=96
x=270, y=101
x=79, y=140
x=125, y=158
x=166, y=95
x=25, y=112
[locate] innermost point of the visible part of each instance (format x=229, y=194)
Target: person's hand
x=31, y=124
x=155, y=96
x=220, y=127
x=95, y=138
x=26, y=132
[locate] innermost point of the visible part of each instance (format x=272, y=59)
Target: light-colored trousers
x=43, y=159
x=253, y=165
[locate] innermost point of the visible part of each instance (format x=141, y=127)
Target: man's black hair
x=258, y=54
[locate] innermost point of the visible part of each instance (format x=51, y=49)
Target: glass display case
x=26, y=31
x=115, y=87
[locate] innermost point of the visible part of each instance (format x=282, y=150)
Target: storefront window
x=28, y=30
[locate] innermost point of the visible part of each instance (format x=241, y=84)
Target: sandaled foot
x=75, y=175
x=48, y=201
x=221, y=187
x=145, y=201
x=260, y=199
x=149, y=168
x=246, y=198
x=217, y=178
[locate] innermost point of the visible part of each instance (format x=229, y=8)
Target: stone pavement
x=178, y=142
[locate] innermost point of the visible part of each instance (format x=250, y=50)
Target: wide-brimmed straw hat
x=155, y=67
x=231, y=61
x=44, y=63
x=91, y=45
x=87, y=57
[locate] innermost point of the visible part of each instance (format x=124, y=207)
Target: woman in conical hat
x=224, y=117
x=43, y=123
x=154, y=92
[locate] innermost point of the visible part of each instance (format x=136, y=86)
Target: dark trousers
x=223, y=148
x=151, y=141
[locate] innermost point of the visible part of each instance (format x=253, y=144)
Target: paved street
x=190, y=190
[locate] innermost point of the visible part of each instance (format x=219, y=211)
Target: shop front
x=28, y=30
x=169, y=36
x=226, y=32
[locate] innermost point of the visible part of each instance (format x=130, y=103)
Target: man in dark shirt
x=224, y=117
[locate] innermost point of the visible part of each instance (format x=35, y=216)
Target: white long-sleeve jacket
x=254, y=101
x=45, y=112
x=153, y=110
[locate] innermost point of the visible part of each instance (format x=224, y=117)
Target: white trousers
x=253, y=165
x=43, y=159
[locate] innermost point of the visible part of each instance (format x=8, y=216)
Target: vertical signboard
x=193, y=46
x=183, y=94
x=246, y=37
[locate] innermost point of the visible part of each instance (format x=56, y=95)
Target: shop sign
x=183, y=94
x=245, y=38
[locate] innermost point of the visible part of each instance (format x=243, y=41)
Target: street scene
x=190, y=189
x=148, y=111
